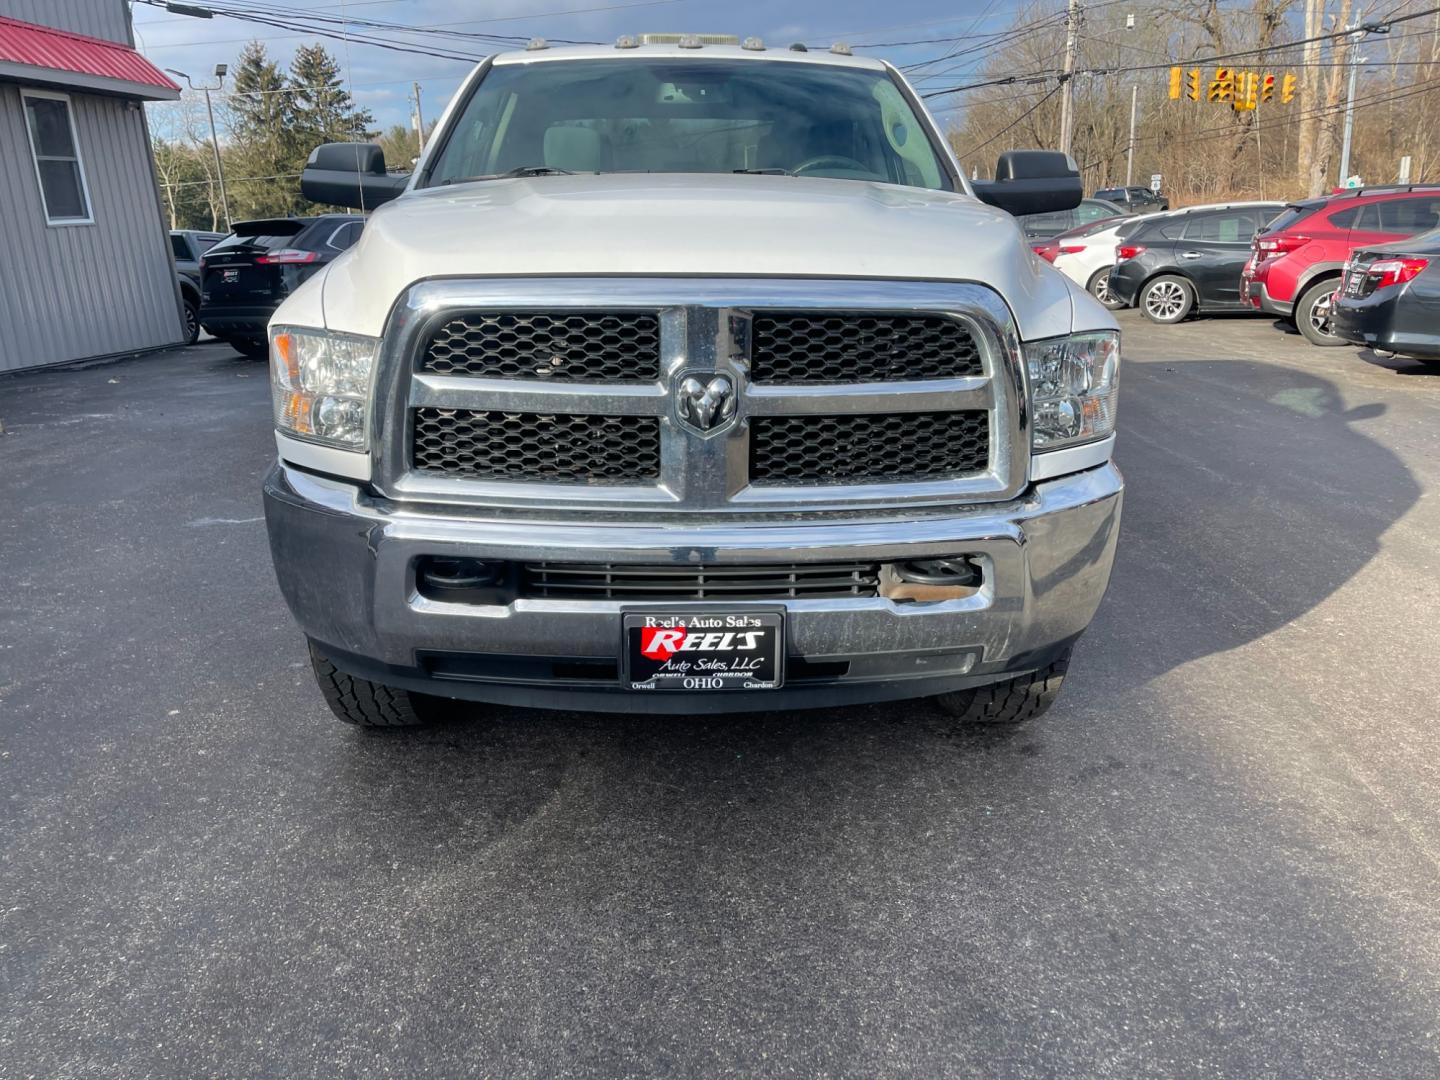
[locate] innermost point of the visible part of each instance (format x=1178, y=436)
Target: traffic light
x=1287, y=89
x=1267, y=89
x=1247, y=85
x=1194, y=79
x=1174, y=82
x=1222, y=87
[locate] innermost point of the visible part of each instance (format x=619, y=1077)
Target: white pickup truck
x=686, y=376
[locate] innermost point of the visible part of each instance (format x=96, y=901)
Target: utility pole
x=1355, y=62
x=419, y=121
x=1067, y=107
x=220, y=70
x=1130, y=153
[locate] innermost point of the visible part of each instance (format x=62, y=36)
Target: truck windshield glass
x=689, y=116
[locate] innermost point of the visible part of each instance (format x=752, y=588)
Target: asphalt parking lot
x=1218, y=856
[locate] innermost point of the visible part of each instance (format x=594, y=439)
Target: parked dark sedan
x=1389, y=298
x=1044, y=226
x=1135, y=200
x=1188, y=260
x=246, y=275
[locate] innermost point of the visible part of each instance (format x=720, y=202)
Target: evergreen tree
x=324, y=110
x=265, y=143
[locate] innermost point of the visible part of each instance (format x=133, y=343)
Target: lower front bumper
x=345, y=563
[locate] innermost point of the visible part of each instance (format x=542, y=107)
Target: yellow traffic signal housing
x=1247, y=85
x=1222, y=87
x=1194, y=79
x=1174, y=82
x=1287, y=89
x=1267, y=89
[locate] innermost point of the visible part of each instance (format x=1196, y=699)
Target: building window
x=57, y=158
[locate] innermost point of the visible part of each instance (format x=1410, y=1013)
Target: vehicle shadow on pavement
x=1401, y=365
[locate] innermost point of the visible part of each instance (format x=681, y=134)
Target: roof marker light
x=535, y=44
x=841, y=49
x=754, y=44
x=799, y=46
x=626, y=41
x=689, y=41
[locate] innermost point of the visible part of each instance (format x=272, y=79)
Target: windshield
x=690, y=116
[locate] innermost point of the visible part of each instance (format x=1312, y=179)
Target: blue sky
x=381, y=79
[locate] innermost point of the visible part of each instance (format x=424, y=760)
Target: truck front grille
x=867, y=449
x=724, y=396
x=538, y=446
x=619, y=581
x=860, y=347
x=590, y=346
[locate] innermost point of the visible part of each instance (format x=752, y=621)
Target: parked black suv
x=1135, y=200
x=1389, y=298
x=1188, y=260
x=246, y=275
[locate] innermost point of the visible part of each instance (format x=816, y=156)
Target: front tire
x=1312, y=314
x=364, y=703
x=1167, y=299
x=1099, y=287
x=1014, y=701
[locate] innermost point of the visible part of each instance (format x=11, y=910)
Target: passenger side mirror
x=1032, y=182
x=350, y=174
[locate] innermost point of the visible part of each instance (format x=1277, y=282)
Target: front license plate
x=704, y=650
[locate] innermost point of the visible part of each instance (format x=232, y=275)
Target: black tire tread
x=360, y=701
x=1013, y=701
x=1302, y=312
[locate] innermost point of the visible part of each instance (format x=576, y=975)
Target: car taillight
x=1394, y=271
x=1046, y=251
x=1128, y=251
x=1283, y=244
x=287, y=255
x=1071, y=249
x=202, y=262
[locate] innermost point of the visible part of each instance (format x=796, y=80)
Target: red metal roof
x=57, y=50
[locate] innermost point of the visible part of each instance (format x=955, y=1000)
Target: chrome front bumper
x=345, y=563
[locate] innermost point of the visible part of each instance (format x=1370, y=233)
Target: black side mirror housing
x=1032, y=182
x=350, y=174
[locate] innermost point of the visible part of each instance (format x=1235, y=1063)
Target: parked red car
x=1297, y=260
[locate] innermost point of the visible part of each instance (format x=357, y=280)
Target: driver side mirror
x=1032, y=182
x=350, y=174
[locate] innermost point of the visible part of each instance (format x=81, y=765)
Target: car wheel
x=254, y=348
x=369, y=704
x=1167, y=299
x=1312, y=313
x=192, y=320
x=1099, y=288
x=1013, y=701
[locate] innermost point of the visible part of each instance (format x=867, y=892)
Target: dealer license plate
x=704, y=650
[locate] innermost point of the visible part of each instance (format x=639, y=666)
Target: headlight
x=1073, y=383
x=321, y=384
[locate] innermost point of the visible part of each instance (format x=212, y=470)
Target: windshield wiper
x=776, y=171
x=523, y=170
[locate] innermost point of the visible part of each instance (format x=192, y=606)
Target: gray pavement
x=1218, y=856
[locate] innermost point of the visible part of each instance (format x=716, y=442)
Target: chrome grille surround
x=705, y=330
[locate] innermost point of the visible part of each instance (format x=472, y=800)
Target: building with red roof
x=85, y=266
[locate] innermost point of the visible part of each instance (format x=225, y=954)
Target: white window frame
x=89, y=218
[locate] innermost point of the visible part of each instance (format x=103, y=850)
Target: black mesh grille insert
x=844, y=449
x=619, y=581
x=821, y=347
x=598, y=346
x=538, y=446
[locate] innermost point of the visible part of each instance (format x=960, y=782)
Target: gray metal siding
x=77, y=291
x=107, y=19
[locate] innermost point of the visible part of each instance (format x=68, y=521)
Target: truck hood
x=693, y=225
